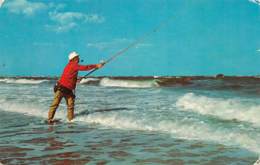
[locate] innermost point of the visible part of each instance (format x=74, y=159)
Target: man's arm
x=89, y=67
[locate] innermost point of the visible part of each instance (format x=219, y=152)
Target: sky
x=201, y=37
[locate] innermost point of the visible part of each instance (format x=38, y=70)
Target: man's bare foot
x=50, y=121
x=70, y=121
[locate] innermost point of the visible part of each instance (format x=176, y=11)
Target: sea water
x=137, y=121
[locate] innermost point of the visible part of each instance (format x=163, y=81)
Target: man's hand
x=100, y=65
x=102, y=62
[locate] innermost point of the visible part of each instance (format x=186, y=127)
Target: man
x=65, y=87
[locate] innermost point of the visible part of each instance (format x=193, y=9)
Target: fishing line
x=122, y=51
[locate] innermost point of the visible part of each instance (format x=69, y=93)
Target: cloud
x=255, y=1
x=121, y=42
x=56, y=6
x=60, y=21
x=25, y=7
x=1, y=3
x=65, y=21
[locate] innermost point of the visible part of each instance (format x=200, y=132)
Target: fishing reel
x=103, y=62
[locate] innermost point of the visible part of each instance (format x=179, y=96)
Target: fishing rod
x=142, y=38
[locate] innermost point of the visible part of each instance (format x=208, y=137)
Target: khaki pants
x=55, y=104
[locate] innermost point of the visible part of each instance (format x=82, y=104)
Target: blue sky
x=202, y=37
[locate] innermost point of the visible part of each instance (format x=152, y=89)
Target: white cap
x=73, y=55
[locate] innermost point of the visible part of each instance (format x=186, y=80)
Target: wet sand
x=77, y=144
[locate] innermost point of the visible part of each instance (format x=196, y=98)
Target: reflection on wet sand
x=8, y=153
x=75, y=144
x=160, y=161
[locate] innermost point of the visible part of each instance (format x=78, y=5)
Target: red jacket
x=70, y=74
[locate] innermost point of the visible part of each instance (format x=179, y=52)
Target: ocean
x=133, y=120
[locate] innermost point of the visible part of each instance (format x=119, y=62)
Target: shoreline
x=136, y=81
x=137, y=77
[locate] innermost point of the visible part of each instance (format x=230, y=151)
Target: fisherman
x=65, y=86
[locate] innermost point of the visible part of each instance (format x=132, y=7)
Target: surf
x=171, y=111
x=132, y=119
x=107, y=82
x=227, y=109
x=177, y=129
x=22, y=81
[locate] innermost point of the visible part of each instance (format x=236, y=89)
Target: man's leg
x=70, y=106
x=55, y=104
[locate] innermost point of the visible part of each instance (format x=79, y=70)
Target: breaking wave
x=89, y=80
x=107, y=82
x=133, y=121
x=195, y=131
x=122, y=82
x=22, y=81
x=27, y=108
x=227, y=109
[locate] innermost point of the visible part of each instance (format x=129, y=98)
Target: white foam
x=21, y=81
x=28, y=109
x=227, y=109
x=132, y=121
x=257, y=162
x=196, y=131
x=86, y=80
x=128, y=83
